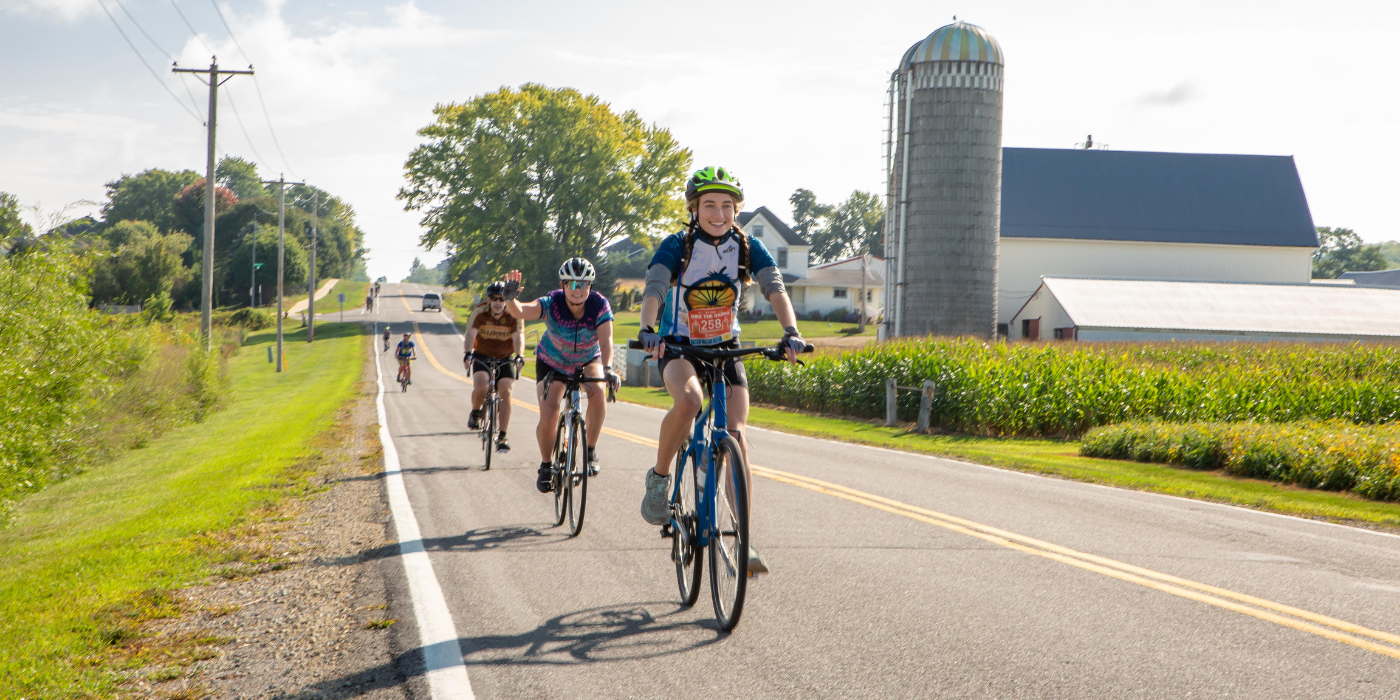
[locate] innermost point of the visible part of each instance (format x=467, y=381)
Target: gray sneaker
x=656, y=508
x=756, y=565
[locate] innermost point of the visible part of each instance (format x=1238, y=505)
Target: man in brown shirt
x=493, y=333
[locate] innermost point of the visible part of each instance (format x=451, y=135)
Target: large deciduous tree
x=147, y=196
x=526, y=178
x=1341, y=250
x=839, y=231
x=137, y=263
x=241, y=176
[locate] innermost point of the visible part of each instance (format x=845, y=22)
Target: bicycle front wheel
x=557, y=480
x=488, y=423
x=578, y=477
x=729, y=543
x=685, y=549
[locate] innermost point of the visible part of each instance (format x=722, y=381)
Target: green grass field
x=1061, y=458
x=87, y=559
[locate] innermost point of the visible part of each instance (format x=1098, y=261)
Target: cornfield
x=1064, y=390
x=1329, y=455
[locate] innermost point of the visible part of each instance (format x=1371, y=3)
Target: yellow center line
x=1261, y=608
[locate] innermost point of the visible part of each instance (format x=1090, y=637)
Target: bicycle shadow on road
x=627, y=632
x=478, y=540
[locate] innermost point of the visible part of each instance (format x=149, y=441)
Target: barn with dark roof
x=1125, y=215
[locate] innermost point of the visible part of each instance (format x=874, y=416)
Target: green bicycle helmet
x=713, y=179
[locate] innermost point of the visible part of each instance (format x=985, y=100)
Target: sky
x=786, y=94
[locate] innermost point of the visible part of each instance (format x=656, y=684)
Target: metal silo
x=944, y=198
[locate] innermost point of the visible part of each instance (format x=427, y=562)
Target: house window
x=1003, y=330
x=758, y=230
x=782, y=257
x=839, y=292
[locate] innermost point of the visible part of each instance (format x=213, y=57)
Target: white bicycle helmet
x=577, y=270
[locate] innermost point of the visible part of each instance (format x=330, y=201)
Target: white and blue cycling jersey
x=702, y=307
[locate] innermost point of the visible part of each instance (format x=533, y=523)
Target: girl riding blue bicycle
x=699, y=276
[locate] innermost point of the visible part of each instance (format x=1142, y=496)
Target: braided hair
x=691, y=235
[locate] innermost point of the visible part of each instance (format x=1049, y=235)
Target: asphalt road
x=894, y=575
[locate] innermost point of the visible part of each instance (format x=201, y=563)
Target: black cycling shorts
x=503, y=371
x=545, y=373
x=733, y=368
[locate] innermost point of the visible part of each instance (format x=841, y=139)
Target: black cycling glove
x=649, y=338
x=512, y=290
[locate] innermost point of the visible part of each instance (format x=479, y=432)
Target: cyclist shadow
x=495, y=538
x=598, y=635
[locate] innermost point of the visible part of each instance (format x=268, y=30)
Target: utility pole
x=253, y=283
x=206, y=298
x=864, y=257
x=281, y=183
x=311, y=287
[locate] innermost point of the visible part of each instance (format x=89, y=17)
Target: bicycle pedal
x=666, y=530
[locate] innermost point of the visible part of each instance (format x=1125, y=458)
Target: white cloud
x=66, y=10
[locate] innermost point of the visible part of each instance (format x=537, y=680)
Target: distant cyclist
x=406, y=352
x=386, y=339
x=700, y=274
x=578, y=335
x=493, y=333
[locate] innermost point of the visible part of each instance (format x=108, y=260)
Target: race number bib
x=710, y=323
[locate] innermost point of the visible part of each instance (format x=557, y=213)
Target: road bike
x=710, y=499
x=403, y=376
x=492, y=405
x=568, y=472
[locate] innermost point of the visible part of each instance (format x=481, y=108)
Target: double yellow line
x=1342, y=631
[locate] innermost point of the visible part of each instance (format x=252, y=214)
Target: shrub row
x=1065, y=389
x=1327, y=455
x=79, y=384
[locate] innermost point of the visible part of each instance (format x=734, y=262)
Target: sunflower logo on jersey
x=715, y=290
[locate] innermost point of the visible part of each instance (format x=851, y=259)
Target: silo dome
x=944, y=195
x=959, y=41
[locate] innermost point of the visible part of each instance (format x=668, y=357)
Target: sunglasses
x=577, y=285
x=495, y=298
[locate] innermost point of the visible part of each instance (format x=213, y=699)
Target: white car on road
x=432, y=301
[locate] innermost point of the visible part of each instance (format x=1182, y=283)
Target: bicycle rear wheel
x=729, y=544
x=488, y=424
x=685, y=552
x=557, y=480
x=578, y=477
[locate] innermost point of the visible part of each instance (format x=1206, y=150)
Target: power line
x=229, y=94
x=230, y=32
x=257, y=86
x=272, y=131
x=147, y=65
x=191, y=26
x=193, y=102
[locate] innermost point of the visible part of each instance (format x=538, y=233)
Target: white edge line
x=445, y=671
x=1063, y=480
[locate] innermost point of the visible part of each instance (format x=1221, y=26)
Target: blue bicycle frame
x=705, y=506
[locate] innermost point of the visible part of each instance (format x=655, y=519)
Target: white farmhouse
x=821, y=288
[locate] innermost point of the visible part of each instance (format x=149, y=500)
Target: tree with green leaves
x=13, y=230
x=1341, y=250
x=839, y=231
x=527, y=178
x=148, y=196
x=138, y=263
x=1390, y=250
x=240, y=176
x=808, y=215
x=420, y=273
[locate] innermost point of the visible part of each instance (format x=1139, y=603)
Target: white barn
x=1148, y=216
x=1156, y=310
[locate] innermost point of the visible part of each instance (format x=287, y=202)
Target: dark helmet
x=496, y=289
x=577, y=270
x=713, y=179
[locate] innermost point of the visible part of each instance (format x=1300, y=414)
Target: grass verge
x=87, y=560
x=1061, y=458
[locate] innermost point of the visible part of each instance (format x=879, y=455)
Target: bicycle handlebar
x=775, y=353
